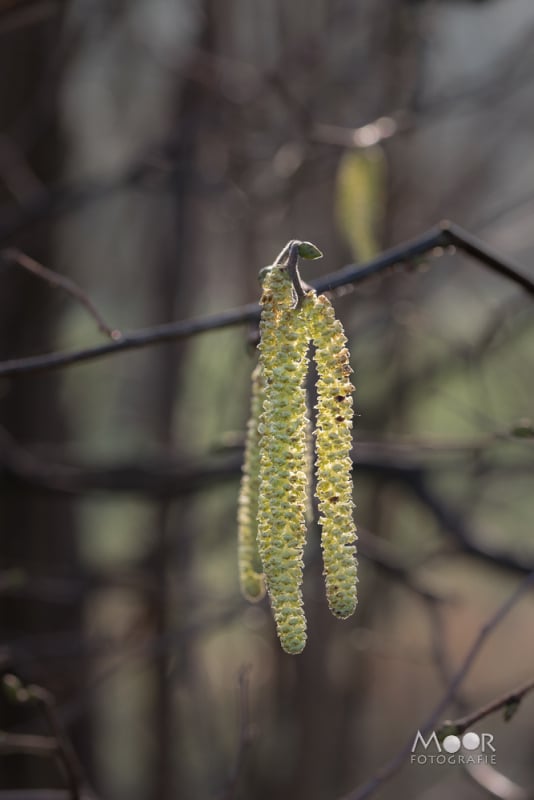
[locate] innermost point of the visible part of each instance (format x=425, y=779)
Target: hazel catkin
x=283, y=456
x=251, y=577
x=275, y=497
x=333, y=449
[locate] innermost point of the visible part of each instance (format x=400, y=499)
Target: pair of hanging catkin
x=275, y=488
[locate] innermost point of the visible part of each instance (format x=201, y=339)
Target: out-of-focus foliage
x=361, y=200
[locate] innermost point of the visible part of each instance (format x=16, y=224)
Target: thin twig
x=394, y=765
x=62, y=750
x=485, y=775
x=509, y=702
x=435, y=241
x=65, y=750
x=59, y=282
x=293, y=272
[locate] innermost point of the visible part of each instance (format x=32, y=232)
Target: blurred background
x=158, y=153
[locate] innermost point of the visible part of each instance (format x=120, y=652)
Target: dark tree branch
x=158, y=334
x=442, y=236
x=166, y=476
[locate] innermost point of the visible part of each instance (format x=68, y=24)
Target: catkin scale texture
x=333, y=462
x=251, y=579
x=283, y=456
x=275, y=498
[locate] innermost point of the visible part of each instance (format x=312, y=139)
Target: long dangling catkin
x=251, y=578
x=333, y=447
x=309, y=465
x=283, y=481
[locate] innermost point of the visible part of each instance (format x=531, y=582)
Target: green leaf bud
x=309, y=251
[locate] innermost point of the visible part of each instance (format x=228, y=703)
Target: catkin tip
x=293, y=648
x=253, y=587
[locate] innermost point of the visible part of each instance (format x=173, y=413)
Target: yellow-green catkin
x=309, y=468
x=283, y=460
x=333, y=449
x=251, y=577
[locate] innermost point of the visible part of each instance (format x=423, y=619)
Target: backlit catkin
x=275, y=488
x=334, y=463
x=250, y=572
x=283, y=481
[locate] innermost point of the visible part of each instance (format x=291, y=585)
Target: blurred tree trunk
x=174, y=288
x=38, y=535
